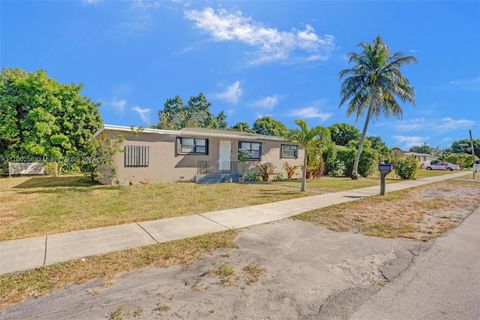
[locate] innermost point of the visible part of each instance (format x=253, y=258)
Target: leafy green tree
x=270, y=127
x=196, y=113
x=41, y=118
x=381, y=147
x=342, y=133
x=464, y=160
x=310, y=139
x=464, y=146
x=368, y=158
x=100, y=166
x=424, y=148
x=396, y=154
x=373, y=84
x=243, y=127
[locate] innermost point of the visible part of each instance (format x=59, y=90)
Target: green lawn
x=45, y=205
x=334, y=184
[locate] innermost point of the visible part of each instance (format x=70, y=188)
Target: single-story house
x=423, y=158
x=194, y=154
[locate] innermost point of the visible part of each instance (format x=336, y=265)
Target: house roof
x=195, y=132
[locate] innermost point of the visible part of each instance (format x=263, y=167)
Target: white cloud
x=92, y=2
x=144, y=113
x=231, y=93
x=268, y=102
x=409, y=141
x=412, y=124
x=146, y=5
x=272, y=44
x=466, y=84
x=419, y=124
x=118, y=104
x=310, y=113
x=449, y=123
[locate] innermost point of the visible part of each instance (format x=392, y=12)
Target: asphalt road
x=443, y=282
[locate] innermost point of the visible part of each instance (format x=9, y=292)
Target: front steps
x=211, y=178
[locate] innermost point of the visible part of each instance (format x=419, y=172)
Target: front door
x=225, y=155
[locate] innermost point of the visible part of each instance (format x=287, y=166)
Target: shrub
x=368, y=159
x=290, y=169
x=337, y=169
x=346, y=158
x=407, y=168
x=251, y=177
x=265, y=170
x=464, y=160
x=279, y=177
x=51, y=168
x=331, y=164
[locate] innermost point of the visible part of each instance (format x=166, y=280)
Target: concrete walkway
x=23, y=254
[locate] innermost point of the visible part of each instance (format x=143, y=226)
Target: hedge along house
x=195, y=154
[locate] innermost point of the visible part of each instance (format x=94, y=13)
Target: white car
x=442, y=165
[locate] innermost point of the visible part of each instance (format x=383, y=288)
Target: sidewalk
x=23, y=254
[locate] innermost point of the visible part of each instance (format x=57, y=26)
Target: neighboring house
x=190, y=154
x=423, y=158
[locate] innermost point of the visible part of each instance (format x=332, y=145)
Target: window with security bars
x=136, y=156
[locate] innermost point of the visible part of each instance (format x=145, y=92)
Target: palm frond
x=375, y=81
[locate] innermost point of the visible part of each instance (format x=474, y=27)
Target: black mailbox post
x=384, y=168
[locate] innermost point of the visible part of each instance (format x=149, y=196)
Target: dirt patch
x=106, y=268
x=283, y=270
x=420, y=213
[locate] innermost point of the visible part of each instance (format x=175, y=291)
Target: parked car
x=442, y=165
x=476, y=166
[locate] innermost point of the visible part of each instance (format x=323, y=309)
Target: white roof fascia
x=226, y=135
x=129, y=129
x=184, y=133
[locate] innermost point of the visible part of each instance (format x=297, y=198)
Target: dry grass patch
x=226, y=273
x=19, y=286
x=419, y=213
x=253, y=273
x=46, y=205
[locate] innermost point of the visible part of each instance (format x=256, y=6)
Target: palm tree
x=309, y=139
x=372, y=85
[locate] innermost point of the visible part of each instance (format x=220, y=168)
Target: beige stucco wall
x=167, y=166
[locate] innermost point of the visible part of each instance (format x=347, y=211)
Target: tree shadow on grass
x=52, y=182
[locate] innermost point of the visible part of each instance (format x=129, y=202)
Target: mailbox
x=384, y=168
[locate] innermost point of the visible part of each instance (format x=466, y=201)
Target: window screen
x=136, y=156
x=289, y=151
x=252, y=149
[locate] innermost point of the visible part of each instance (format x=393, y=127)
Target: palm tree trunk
x=304, y=171
x=360, y=145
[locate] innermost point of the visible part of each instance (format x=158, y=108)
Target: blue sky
x=252, y=58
